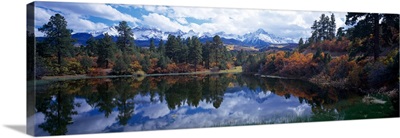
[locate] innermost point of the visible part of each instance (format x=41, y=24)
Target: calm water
x=170, y=102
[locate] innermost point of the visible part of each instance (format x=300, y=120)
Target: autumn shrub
x=355, y=76
x=332, y=45
x=298, y=65
x=340, y=67
x=96, y=72
x=172, y=68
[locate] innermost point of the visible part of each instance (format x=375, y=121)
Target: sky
x=87, y=17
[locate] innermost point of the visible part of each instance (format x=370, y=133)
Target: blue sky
x=96, y=17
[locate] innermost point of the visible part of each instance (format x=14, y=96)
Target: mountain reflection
x=165, y=102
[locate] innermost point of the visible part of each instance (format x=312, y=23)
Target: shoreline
x=74, y=77
x=339, y=85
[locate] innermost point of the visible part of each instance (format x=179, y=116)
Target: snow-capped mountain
x=146, y=34
x=259, y=38
x=112, y=31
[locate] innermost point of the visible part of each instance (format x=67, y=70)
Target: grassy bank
x=139, y=75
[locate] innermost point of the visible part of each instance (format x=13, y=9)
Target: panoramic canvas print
x=99, y=68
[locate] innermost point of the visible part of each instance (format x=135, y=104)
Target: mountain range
x=259, y=38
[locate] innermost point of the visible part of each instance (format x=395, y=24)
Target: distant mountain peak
x=258, y=38
x=261, y=31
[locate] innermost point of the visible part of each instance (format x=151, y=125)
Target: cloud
x=83, y=25
x=42, y=16
x=78, y=15
x=89, y=9
x=292, y=24
x=237, y=108
x=161, y=22
x=288, y=24
x=181, y=20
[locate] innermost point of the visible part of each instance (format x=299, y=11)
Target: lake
x=193, y=101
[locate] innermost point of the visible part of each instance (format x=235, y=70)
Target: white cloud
x=75, y=22
x=181, y=20
x=83, y=25
x=161, y=22
x=292, y=24
x=89, y=9
x=155, y=110
x=299, y=110
x=42, y=16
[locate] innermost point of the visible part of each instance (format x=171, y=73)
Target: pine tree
x=183, y=53
x=366, y=24
x=125, y=41
x=162, y=62
x=91, y=46
x=161, y=47
x=120, y=67
x=145, y=63
x=152, y=46
x=332, y=27
x=324, y=29
x=216, y=49
x=57, y=36
x=240, y=58
x=301, y=45
x=195, y=55
x=172, y=48
x=106, y=51
x=315, y=33
x=340, y=33
x=206, y=49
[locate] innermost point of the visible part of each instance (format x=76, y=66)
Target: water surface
x=171, y=102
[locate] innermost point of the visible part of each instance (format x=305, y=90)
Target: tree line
x=57, y=55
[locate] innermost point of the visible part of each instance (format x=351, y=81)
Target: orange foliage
x=136, y=66
x=340, y=67
x=97, y=72
x=333, y=45
x=172, y=68
x=298, y=65
x=279, y=59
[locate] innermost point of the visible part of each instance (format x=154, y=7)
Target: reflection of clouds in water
x=299, y=110
x=154, y=110
x=87, y=122
x=84, y=106
x=37, y=119
x=181, y=111
x=235, y=109
x=264, y=95
x=92, y=123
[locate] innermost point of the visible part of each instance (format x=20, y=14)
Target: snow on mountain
x=112, y=31
x=230, y=36
x=259, y=38
x=146, y=34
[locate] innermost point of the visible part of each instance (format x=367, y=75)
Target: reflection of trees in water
x=325, y=102
x=58, y=106
x=106, y=95
x=124, y=100
x=186, y=90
